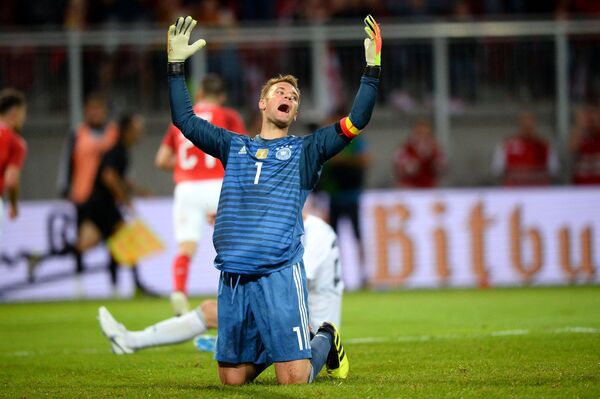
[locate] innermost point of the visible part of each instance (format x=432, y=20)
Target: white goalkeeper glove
x=373, y=42
x=179, y=48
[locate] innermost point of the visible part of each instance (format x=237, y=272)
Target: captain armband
x=347, y=129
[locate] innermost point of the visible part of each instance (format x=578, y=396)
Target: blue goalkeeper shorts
x=263, y=318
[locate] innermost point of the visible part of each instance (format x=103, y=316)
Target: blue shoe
x=205, y=343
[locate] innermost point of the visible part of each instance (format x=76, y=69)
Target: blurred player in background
x=85, y=147
x=585, y=146
x=262, y=315
x=198, y=178
x=325, y=288
x=13, y=149
x=100, y=215
x=525, y=159
x=420, y=160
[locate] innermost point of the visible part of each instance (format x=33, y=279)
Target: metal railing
x=316, y=38
x=493, y=65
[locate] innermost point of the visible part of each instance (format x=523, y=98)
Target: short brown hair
x=10, y=98
x=291, y=79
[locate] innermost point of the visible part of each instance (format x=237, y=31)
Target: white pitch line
x=500, y=333
x=509, y=332
x=21, y=354
x=355, y=341
x=580, y=330
x=367, y=340
x=84, y=351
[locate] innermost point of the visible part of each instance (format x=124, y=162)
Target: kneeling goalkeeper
x=263, y=313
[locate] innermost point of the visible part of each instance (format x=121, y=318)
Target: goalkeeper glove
x=373, y=42
x=179, y=48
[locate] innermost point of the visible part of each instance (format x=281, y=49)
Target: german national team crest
x=283, y=153
x=262, y=153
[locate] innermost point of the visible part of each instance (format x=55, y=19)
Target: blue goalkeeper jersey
x=259, y=226
x=259, y=219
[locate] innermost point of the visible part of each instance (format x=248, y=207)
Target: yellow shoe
x=337, y=363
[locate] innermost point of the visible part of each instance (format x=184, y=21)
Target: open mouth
x=284, y=108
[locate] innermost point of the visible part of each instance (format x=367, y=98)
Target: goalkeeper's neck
x=273, y=130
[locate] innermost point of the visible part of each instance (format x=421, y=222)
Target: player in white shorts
x=198, y=178
x=325, y=288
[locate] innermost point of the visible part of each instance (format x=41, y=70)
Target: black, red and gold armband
x=348, y=129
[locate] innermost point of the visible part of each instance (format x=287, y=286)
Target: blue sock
x=320, y=346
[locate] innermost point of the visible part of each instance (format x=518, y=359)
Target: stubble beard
x=280, y=124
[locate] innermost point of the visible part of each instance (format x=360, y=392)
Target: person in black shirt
x=101, y=213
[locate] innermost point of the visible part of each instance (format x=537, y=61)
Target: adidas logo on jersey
x=243, y=150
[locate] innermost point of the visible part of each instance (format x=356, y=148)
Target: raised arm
x=328, y=141
x=209, y=138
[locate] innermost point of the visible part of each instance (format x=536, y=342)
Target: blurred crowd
x=518, y=67
x=87, y=13
x=522, y=159
x=510, y=71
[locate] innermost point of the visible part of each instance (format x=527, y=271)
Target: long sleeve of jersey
x=326, y=142
x=209, y=138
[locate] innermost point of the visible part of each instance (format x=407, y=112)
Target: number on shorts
x=297, y=330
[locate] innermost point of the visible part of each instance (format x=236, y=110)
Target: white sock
x=167, y=332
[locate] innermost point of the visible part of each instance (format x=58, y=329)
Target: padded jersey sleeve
x=209, y=138
x=362, y=108
x=317, y=148
x=326, y=142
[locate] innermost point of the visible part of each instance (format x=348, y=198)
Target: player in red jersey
x=13, y=149
x=585, y=146
x=525, y=159
x=198, y=179
x=419, y=161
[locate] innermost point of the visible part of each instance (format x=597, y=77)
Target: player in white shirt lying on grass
x=325, y=287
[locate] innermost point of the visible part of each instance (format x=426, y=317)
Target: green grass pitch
x=497, y=343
